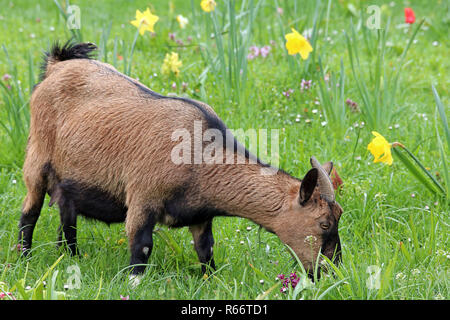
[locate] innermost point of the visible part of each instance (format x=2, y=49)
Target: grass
x=392, y=228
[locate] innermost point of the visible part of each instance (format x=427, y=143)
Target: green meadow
x=368, y=71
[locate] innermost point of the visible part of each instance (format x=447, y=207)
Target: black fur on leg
x=203, y=243
x=68, y=226
x=141, y=246
x=26, y=227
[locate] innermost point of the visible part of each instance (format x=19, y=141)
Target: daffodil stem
x=413, y=169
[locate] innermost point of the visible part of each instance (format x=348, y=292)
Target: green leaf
x=263, y=295
x=38, y=292
x=352, y=9
x=441, y=110
x=20, y=286
x=416, y=172
x=405, y=252
x=258, y=272
x=169, y=241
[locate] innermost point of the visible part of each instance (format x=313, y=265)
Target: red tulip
x=409, y=16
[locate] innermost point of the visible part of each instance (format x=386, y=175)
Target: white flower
x=310, y=239
x=400, y=276
x=308, y=33
x=442, y=253
x=439, y=297
x=182, y=21
x=415, y=272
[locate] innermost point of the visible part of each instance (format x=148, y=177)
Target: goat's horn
x=325, y=184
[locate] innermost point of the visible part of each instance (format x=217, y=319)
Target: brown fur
x=96, y=127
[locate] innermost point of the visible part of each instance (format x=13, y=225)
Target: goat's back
x=102, y=128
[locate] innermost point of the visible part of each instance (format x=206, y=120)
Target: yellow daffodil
x=208, y=5
x=182, y=21
x=171, y=64
x=380, y=149
x=145, y=21
x=296, y=43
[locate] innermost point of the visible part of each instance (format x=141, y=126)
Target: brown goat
x=100, y=145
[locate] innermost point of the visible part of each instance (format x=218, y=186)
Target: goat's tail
x=70, y=50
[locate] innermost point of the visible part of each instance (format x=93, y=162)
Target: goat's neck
x=242, y=190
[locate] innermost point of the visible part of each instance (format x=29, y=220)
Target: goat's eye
x=324, y=225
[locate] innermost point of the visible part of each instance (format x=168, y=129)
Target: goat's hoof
x=135, y=279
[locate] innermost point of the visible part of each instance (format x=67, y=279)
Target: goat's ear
x=328, y=166
x=308, y=185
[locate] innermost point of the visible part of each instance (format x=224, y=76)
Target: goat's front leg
x=139, y=224
x=203, y=243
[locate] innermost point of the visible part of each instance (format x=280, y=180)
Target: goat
x=100, y=145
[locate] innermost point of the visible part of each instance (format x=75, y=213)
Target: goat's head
x=310, y=225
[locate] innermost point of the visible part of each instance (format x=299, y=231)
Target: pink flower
x=6, y=77
x=6, y=294
x=124, y=297
x=172, y=36
x=254, y=52
x=293, y=280
x=265, y=51
x=287, y=93
x=305, y=85
x=353, y=105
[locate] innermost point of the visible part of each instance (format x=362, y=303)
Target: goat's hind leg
x=36, y=183
x=68, y=220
